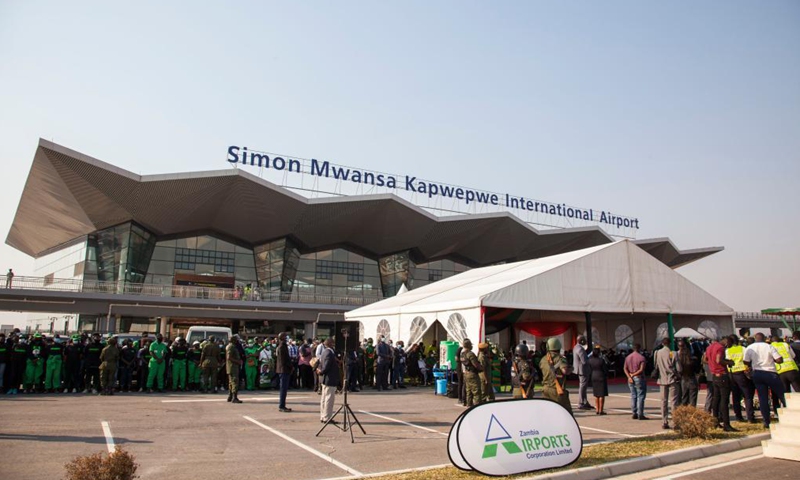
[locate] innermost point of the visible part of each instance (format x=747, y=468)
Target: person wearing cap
x=251, y=364
x=158, y=352
x=209, y=362
x=55, y=358
x=472, y=382
x=179, y=352
x=522, y=380
x=193, y=361
x=72, y=364
x=34, y=368
x=554, y=375
x=233, y=363
x=91, y=364
x=109, y=358
x=485, y=374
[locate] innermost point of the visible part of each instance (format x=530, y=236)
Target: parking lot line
x=657, y=415
x=305, y=447
x=249, y=399
x=404, y=423
x=109, y=437
x=610, y=432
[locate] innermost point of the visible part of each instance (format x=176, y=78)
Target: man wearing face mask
x=158, y=351
x=398, y=366
x=580, y=363
x=283, y=367
x=384, y=361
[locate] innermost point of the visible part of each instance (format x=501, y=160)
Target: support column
x=671, y=330
x=588, y=316
x=162, y=326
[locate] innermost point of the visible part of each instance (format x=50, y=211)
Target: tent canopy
x=613, y=278
x=687, y=332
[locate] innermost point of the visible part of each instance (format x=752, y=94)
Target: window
x=189, y=258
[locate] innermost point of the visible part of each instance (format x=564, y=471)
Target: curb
x=626, y=467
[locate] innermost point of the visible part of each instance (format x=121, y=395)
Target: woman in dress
x=599, y=379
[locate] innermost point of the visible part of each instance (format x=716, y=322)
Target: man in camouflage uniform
x=472, y=382
x=554, y=372
x=485, y=373
x=209, y=358
x=109, y=358
x=521, y=373
x=233, y=363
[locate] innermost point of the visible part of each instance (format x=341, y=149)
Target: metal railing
x=181, y=291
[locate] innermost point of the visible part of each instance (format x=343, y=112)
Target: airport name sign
x=242, y=156
x=514, y=436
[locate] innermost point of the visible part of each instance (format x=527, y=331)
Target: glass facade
x=120, y=253
x=430, y=272
x=338, y=272
x=201, y=256
x=396, y=270
x=276, y=265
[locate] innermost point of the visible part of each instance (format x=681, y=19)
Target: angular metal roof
x=70, y=195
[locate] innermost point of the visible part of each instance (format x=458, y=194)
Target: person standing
x=471, y=366
x=91, y=364
x=763, y=358
x=741, y=385
x=634, y=370
x=179, y=353
x=369, y=357
x=55, y=360
x=721, y=395
x=127, y=359
x=193, y=362
x=521, y=373
x=598, y=366
x=209, y=360
x=251, y=364
x=233, y=365
x=398, y=365
x=688, y=367
x=109, y=358
x=554, y=375
x=485, y=373
x=787, y=370
x=143, y=359
x=283, y=367
x=34, y=369
x=5, y=352
x=328, y=370
x=668, y=380
x=9, y=278
x=72, y=364
x=384, y=361
x=18, y=359
x=580, y=358
x=158, y=352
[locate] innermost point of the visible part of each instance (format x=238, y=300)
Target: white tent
x=613, y=278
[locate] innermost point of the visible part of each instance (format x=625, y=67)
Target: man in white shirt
x=762, y=357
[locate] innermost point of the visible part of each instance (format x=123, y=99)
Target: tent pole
x=588, y=316
x=644, y=332
x=671, y=329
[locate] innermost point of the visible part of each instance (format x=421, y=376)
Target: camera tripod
x=348, y=416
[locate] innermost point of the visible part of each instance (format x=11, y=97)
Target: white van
x=198, y=333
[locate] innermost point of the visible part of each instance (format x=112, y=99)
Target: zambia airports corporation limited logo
x=480, y=441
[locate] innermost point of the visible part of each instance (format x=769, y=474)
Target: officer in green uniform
x=233, y=363
x=209, y=361
x=521, y=373
x=34, y=367
x=52, y=375
x=193, y=358
x=472, y=368
x=251, y=364
x=554, y=373
x=485, y=373
x=158, y=351
x=179, y=353
x=108, y=367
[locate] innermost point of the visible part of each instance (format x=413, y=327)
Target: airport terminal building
x=121, y=252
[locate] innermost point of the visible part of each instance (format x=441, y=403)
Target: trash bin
x=441, y=386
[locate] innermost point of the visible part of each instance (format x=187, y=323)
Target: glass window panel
x=190, y=242
x=223, y=246
x=448, y=265
x=161, y=268
x=325, y=255
x=206, y=243
x=239, y=249
x=244, y=260
x=340, y=255
x=164, y=253
x=166, y=243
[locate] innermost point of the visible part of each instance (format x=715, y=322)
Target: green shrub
x=692, y=422
x=119, y=465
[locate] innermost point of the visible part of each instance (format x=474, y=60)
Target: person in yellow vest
x=742, y=384
x=787, y=371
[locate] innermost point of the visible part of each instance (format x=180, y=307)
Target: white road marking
x=109, y=437
x=305, y=447
x=404, y=423
x=711, y=467
x=248, y=399
x=610, y=432
x=629, y=412
x=395, y=472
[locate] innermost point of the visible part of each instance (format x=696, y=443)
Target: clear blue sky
x=683, y=114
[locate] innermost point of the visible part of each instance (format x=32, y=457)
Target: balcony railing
x=181, y=291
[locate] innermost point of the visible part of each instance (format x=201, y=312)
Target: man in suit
x=580, y=364
x=328, y=369
x=668, y=379
x=283, y=368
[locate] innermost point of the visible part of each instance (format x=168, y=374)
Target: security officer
x=17, y=362
x=193, y=357
x=72, y=364
x=521, y=373
x=233, y=363
x=179, y=351
x=109, y=358
x=52, y=376
x=554, y=374
x=91, y=364
x=472, y=382
x=34, y=367
x=485, y=373
x=251, y=364
x=742, y=384
x=158, y=352
x=787, y=371
x=209, y=361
